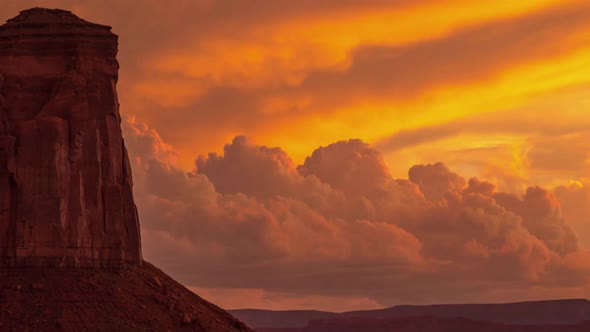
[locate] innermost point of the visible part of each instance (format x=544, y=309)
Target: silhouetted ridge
x=565, y=311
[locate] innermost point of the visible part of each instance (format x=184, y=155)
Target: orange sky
x=497, y=89
x=302, y=74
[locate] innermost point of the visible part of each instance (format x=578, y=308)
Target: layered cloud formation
x=332, y=68
x=339, y=225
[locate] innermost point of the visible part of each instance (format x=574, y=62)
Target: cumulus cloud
x=340, y=225
x=270, y=170
x=350, y=166
x=542, y=217
x=575, y=202
x=435, y=180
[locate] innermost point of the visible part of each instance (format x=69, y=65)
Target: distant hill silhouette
x=280, y=319
x=424, y=324
x=522, y=313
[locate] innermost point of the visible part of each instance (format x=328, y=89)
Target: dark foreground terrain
x=424, y=324
x=555, y=315
x=135, y=299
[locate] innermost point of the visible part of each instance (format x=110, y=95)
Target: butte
x=70, y=245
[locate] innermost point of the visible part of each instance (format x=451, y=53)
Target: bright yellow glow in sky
x=308, y=75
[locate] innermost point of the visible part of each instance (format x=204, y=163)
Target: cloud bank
x=339, y=225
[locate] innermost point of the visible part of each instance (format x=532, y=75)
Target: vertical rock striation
x=65, y=179
x=66, y=192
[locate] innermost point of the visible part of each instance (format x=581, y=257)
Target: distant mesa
x=70, y=245
x=424, y=324
x=550, y=316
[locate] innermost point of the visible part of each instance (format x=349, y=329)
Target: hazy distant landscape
x=557, y=315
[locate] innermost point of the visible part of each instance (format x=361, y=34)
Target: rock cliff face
x=65, y=179
x=66, y=192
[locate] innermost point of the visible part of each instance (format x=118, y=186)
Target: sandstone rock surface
x=65, y=179
x=75, y=299
x=66, y=192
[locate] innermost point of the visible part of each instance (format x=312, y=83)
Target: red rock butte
x=65, y=179
x=66, y=192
